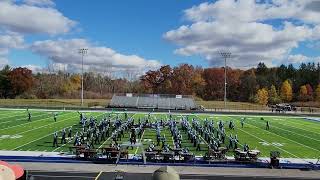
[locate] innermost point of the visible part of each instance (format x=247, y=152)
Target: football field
x=294, y=137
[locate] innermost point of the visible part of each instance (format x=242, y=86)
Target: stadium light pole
x=83, y=52
x=225, y=55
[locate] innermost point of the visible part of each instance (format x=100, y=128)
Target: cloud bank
x=245, y=28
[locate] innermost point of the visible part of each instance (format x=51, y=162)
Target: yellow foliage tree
x=286, y=91
x=262, y=96
x=273, y=95
x=317, y=93
x=303, y=93
x=303, y=90
x=75, y=81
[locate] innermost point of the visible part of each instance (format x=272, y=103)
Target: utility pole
x=83, y=52
x=225, y=55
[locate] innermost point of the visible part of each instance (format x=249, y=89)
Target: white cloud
x=243, y=28
x=20, y=18
x=34, y=68
x=40, y=2
x=99, y=58
x=3, y=62
x=299, y=58
x=11, y=41
x=8, y=41
x=25, y=18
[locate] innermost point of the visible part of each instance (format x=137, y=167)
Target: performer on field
x=70, y=133
x=267, y=125
x=63, y=136
x=242, y=122
x=29, y=115
x=55, y=139
x=55, y=116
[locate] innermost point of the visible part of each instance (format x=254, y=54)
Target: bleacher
x=153, y=101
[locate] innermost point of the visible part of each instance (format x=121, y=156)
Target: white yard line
x=272, y=145
x=172, y=140
x=43, y=126
x=31, y=122
x=215, y=130
x=25, y=118
x=64, y=144
x=276, y=135
x=111, y=132
x=284, y=137
x=140, y=142
x=10, y=113
x=73, y=135
x=38, y=139
x=297, y=123
x=290, y=131
x=133, y=112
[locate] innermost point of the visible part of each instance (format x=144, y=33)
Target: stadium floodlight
x=83, y=52
x=225, y=55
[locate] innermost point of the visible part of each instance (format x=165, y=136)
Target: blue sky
x=130, y=27
x=144, y=34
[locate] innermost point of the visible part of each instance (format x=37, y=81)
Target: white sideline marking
x=297, y=123
x=32, y=122
x=290, y=131
x=265, y=140
x=20, y=119
x=7, y=113
x=50, y=124
x=140, y=142
x=42, y=126
x=38, y=139
x=284, y=138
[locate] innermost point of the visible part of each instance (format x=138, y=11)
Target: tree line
x=261, y=84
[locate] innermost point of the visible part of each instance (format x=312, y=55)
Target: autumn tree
x=248, y=86
x=233, y=84
x=262, y=96
x=273, y=95
x=157, y=81
x=317, y=93
x=309, y=92
x=303, y=93
x=5, y=86
x=214, y=88
x=198, y=83
x=21, y=80
x=182, y=79
x=286, y=91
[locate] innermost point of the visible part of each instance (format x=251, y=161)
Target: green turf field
x=294, y=137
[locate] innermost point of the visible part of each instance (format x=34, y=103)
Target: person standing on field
x=55, y=139
x=267, y=125
x=29, y=115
